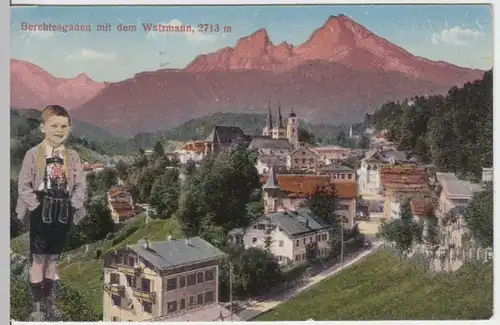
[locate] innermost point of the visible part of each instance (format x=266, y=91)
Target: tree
x=364, y=142
x=95, y=226
x=479, y=216
x=323, y=204
x=403, y=232
x=165, y=193
x=306, y=136
x=159, y=150
x=255, y=271
x=107, y=178
x=220, y=191
x=122, y=169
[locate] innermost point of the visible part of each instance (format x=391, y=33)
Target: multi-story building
x=291, y=192
x=303, y=159
x=454, y=192
x=337, y=172
x=162, y=280
x=289, y=234
x=332, y=154
x=195, y=151
x=369, y=172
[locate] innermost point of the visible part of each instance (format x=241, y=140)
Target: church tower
x=272, y=193
x=279, y=131
x=292, y=130
x=268, y=129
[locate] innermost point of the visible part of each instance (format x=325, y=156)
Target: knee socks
x=37, y=291
x=48, y=285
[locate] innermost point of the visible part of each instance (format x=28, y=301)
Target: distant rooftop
x=297, y=222
x=176, y=252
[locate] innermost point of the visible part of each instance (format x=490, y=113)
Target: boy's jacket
x=31, y=176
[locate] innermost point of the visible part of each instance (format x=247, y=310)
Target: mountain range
x=341, y=72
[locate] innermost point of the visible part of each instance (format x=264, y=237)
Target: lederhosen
x=51, y=220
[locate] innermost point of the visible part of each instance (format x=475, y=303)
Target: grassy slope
x=383, y=288
x=83, y=270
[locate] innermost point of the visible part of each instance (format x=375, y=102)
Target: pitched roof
x=403, y=178
x=303, y=186
x=272, y=181
x=460, y=188
x=335, y=168
x=265, y=142
x=420, y=207
x=303, y=148
x=123, y=209
x=225, y=134
x=174, y=252
x=297, y=222
x=196, y=146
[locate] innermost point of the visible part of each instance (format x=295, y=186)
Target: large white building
x=369, y=171
x=277, y=141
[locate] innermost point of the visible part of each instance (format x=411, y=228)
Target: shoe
x=37, y=314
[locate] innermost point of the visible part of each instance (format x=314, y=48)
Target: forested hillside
x=454, y=132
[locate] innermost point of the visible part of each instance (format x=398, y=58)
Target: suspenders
x=56, y=201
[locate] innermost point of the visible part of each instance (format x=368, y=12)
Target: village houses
x=121, y=204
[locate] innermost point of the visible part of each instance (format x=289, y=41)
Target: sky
x=459, y=34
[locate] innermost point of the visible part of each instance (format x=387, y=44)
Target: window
x=324, y=236
x=192, y=302
x=114, y=278
x=145, y=285
x=209, y=297
x=297, y=258
x=209, y=275
x=303, y=256
x=172, y=306
x=342, y=176
x=255, y=227
x=200, y=299
x=310, y=239
x=116, y=300
x=131, y=280
x=199, y=277
x=183, y=304
x=182, y=281
x=304, y=240
x=191, y=280
x=349, y=176
x=254, y=240
x=343, y=207
x=318, y=237
x=115, y=319
x=297, y=243
x=118, y=259
x=171, y=284
x=147, y=307
x=281, y=243
x=303, y=161
x=129, y=261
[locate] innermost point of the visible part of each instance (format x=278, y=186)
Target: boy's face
x=56, y=129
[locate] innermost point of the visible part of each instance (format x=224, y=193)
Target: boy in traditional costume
x=52, y=191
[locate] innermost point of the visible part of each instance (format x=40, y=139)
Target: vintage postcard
x=251, y=163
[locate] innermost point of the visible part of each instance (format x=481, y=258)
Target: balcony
x=129, y=270
x=144, y=295
x=114, y=288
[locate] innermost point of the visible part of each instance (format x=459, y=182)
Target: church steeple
x=269, y=123
x=280, y=118
x=268, y=129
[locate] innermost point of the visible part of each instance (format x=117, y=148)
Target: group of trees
x=454, y=132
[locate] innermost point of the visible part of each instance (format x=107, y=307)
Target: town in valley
x=262, y=212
